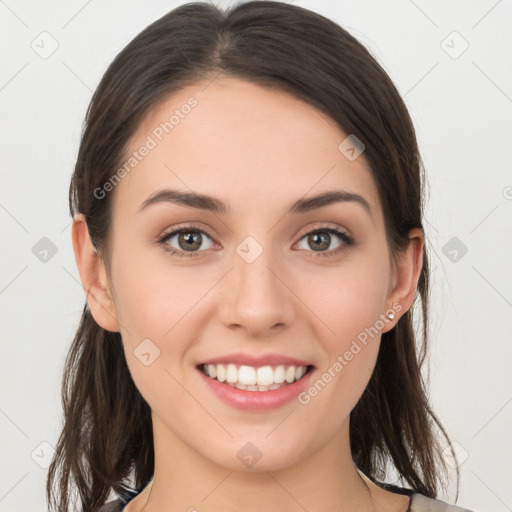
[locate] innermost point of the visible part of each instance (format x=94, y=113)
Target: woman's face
x=254, y=284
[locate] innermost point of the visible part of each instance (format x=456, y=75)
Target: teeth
x=220, y=371
x=231, y=373
x=247, y=375
x=299, y=372
x=264, y=378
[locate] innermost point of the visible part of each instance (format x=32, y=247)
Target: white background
x=462, y=110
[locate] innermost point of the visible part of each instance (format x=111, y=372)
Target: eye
x=189, y=239
x=321, y=238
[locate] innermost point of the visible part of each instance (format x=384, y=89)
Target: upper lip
x=257, y=361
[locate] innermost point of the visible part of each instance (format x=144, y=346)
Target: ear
x=405, y=278
x=93, y=276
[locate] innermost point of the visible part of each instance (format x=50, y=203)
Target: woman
x=247, y=205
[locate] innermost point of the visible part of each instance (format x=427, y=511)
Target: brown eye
x=188, y=241
x=320, y=239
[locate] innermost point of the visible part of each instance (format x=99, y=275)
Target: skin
x=259, y=150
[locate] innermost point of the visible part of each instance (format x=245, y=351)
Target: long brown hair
x=106, y=444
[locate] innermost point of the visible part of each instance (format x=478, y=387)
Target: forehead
x=241, y=142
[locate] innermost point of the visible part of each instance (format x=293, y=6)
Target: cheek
x=165, y=304
x=348, y=299
x=153, y=296
x=157, y=315
x=347, y=305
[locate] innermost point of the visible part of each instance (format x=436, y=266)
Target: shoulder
x=420, y=503
x=118, y=504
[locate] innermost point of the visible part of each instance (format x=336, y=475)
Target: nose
x=256, y=294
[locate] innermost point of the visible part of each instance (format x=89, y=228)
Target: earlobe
x=408, y=270
x=93, y=276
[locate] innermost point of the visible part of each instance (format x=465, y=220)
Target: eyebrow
x=212, y=204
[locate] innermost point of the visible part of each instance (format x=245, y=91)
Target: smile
x=250, y=378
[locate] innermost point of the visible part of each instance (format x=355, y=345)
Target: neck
x=327, y=479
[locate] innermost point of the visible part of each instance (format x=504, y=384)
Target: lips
x=256, y=361
x=265, y=398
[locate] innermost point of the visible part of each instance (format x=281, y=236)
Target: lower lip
x=256, y=400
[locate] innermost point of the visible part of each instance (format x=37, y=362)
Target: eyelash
x=346, y=239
